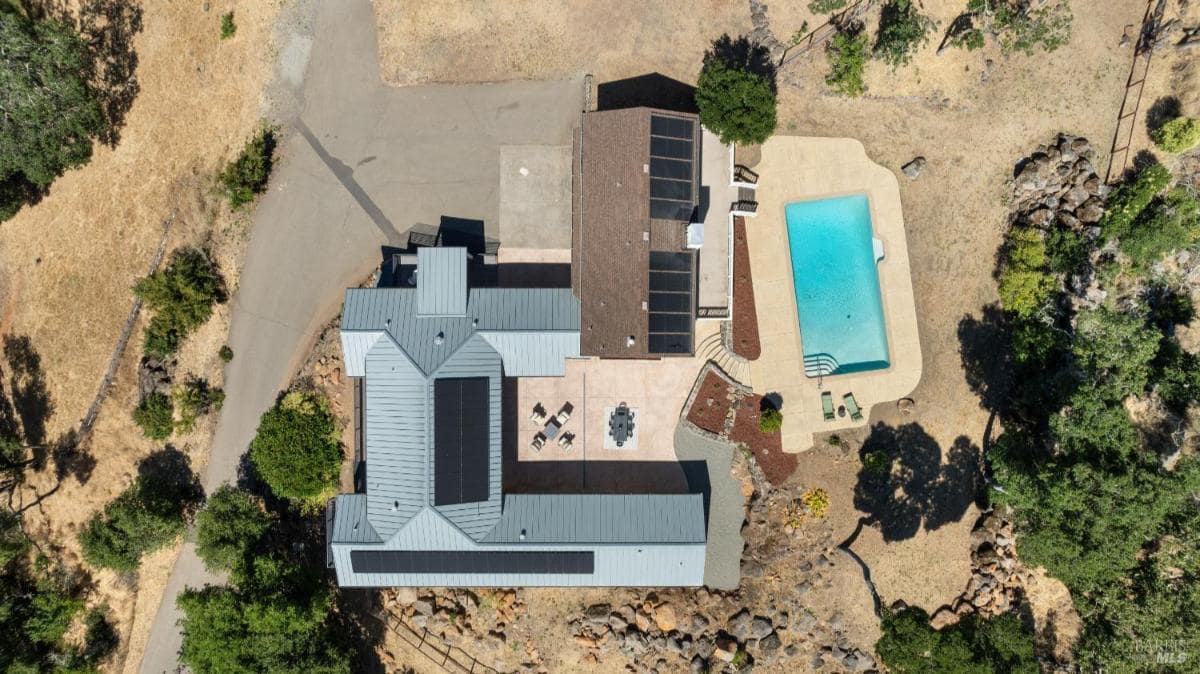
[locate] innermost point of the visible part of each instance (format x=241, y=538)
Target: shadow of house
x=652, y=90
x=906, y=485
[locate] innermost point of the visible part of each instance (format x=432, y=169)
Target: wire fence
x=450, y=658
x=1135, y=85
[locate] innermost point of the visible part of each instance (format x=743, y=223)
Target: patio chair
x=852, y=407
x=564, y=414
x=827, y=405
x=538, y=416
x=565, y=441
x=539, y=441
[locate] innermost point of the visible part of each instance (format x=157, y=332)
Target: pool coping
x=805, y=169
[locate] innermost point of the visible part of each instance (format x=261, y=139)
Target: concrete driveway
x=361, y=163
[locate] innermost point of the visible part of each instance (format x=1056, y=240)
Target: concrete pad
x=535, y=196
x=717, y=195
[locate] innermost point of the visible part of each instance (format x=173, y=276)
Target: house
x=433, y=353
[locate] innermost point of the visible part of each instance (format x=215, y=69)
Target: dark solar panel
x=670, y=147
x=670, y=322
x=676, y=302
x=471, y=561
x=676, y=169
x=461, y=440
x=669, y=281
x=661, y=260
x=661, y=188
x=670, y=343
x=671, y=126
x=671, y=210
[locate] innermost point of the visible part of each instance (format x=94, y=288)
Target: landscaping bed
x=744, y=340
x=729, y=411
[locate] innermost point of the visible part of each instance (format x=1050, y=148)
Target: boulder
x=943, y=618
x=597, y=613
x=664, y=617
x=698, y=665
x=739, y=624
x=770, y=643
x=727, y=648
x=405, y=595
x=424, y=606
x=1042, y=217
x=760, y=627
x=914, y=167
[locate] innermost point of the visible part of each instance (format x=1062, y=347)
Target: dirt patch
x=744, y=340
x=713, y=401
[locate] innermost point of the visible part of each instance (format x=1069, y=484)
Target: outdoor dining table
x=552, y=428
x=620, y=425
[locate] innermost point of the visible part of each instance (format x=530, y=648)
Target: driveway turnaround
x=361, y=163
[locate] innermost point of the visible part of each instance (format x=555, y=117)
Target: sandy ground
x=69, y=262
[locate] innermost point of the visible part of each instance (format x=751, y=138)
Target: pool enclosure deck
x=799, y=169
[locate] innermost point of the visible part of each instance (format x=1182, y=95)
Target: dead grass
x=69, y=263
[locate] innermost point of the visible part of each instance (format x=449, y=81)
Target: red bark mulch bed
x=745, y=316
x=767, y=448
x=712, y=406
x=712, y=403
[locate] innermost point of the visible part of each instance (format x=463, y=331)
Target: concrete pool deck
x=797, y=169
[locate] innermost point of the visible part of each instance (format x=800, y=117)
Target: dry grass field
x=69, y=263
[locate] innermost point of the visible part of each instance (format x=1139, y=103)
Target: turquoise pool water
x=837, y=285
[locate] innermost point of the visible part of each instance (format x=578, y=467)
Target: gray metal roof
x=600, y=518
x=350, y=523
x=534, y=354
x=441, y=281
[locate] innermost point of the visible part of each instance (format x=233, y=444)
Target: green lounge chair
x=827, y=405
x=852, y=406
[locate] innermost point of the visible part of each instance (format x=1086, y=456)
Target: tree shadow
x=904, y=484
x=742, y=54
x=1164, y=110
x=30, y=395
x=985, y=347
x=168, y=473
x=71, y=459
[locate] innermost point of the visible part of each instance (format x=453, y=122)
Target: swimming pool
x=834, y=257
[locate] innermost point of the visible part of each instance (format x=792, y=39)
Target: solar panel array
x=460, y=440
x=470, y=561
x=672, y=174
x=671, y=318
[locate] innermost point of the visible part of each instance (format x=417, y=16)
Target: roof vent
x=474, y=322
x=439, y=338
x=629, y=341
x=522, y=536
x=395, y=505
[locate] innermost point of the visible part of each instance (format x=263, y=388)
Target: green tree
x=228, y=528
x=51, y=112
x=13, y=543
x=297, y=451
x=847, y=54
x=1025, y=284
x=147, y=516
x=902, y=31
x=1022, y=25
x=734, y=102
x=1169, y=223
x=1178, y=135
x=973, y=645
x=247, y=176
x=1115, y=349
x=155, y=415
x=181, y=296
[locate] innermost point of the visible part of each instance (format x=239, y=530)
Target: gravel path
x=726, y=509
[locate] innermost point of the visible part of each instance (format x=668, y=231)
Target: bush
x=1021, y=27
x=1025, y=285
x=225, y=354
x=1000, y=645
x=155, y=415
x=147, y=516
x=1132, y=197
x=847, y=55
x=181, y=296
x=1178, y=135
x=1168, y=224
x=770, y=420
x=228, y=528
x=817, y=502
x=902, y=31
x=194, y=399
x=297, y=451
x=877, y=463
x=228, y=27
x=735, y=103
x=825, y=6
x=52, y=113
x=247, y=175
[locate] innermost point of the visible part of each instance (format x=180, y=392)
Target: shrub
x=825, y=6
x=1178, y=135
x=999, y=645
x=247, y=175
x=817, y=501
x=1168, y=224
x=1132, y=197
x=181, y=296
x=1025, y=285
x=228, y=528
x=228, y=27
x=770, y=420
x=225, y=354
x=297, y=450
x=847, y=55
x=1021, y=27
x=149, y=515
x=735, y=103
x=52, y=113
x=155, y=415
x=194, y=399
x=902, y=30
x=877, y=463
